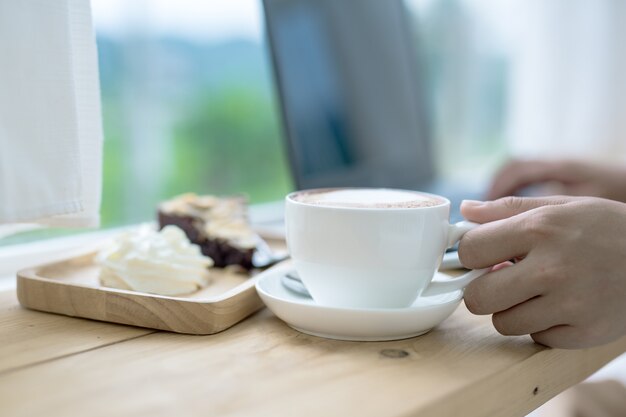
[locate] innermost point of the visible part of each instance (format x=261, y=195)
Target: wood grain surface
x=29, y=337
x=262, y=367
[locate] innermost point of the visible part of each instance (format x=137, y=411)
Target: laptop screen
x=348, y=82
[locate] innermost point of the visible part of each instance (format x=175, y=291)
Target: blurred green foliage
x=226, y=142
x=230, y=143
x=184, y=116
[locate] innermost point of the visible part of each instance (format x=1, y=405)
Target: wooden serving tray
x=72, y=288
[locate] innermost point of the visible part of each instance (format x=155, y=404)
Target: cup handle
x=436, y=287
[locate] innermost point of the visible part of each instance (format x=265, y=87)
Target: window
x=188, y=104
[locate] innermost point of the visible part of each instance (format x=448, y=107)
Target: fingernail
x=472, y=203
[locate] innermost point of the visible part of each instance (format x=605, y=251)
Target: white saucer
x=301, y=313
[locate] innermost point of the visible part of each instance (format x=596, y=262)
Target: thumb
x=502, y=208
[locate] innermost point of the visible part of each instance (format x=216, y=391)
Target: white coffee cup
x=371, y=255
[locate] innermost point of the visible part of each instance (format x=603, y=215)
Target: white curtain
x=50, y=121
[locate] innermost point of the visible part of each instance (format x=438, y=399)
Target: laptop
x=349, y=83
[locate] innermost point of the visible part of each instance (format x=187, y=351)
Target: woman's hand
x=566, y=177
x=569, y=288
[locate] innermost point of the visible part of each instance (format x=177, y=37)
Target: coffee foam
x=368, y=198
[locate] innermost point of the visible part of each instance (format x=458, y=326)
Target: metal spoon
x=292, y=281
x=264, y=256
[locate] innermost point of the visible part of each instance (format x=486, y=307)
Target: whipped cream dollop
x=147, y=260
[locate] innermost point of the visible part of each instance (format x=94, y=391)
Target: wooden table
x=60, y=366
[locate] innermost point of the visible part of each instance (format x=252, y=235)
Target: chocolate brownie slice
x=218, y=225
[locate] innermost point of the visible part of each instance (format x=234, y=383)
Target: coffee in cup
x=367, y=198
x=371, y=247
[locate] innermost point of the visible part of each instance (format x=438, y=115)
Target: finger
x=532, y=316
x=488, y=211
x=503, y=289
x=495, y=242
x=562, y=337
x=520, y=174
